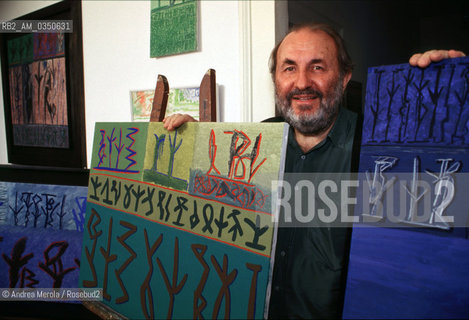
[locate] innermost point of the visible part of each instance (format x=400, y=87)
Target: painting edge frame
x=75, y=155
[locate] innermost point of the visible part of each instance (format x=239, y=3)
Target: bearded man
x=310, y=68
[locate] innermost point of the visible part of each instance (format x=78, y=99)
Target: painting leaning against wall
x=180, y=100
x=38, y=90
x=43, y=88
x=174, y=27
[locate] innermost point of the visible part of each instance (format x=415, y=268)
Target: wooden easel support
x=207, y=98
x=160, y=99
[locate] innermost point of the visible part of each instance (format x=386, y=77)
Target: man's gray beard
x=318, y=122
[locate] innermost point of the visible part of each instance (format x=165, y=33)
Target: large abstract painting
x=43, y=91
x=180, y=224
x=414, y=163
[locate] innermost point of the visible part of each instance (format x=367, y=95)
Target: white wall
x=262, y=25
x=116, y=49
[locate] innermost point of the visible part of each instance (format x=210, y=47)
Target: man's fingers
x=170, y=122
x=414, y=59
x=427, y=58
x=423, y=60
x=456, y=54
x=176, y=120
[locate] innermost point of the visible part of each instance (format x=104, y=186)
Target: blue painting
x=414, y=163
x=41, y=230
x=42, y=206
x=39, y=258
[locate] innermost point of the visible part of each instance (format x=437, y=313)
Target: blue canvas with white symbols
x=409, y=259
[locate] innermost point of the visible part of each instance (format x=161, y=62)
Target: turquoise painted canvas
x=187, y=231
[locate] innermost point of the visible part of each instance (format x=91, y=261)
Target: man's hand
x=423, y=60
x=176, y=120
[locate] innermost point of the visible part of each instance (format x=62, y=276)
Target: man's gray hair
x=345, y=63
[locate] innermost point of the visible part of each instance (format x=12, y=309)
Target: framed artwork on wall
x=42, y=75
x=180, y=100
x=174, y=27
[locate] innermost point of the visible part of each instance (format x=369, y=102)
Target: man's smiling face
x=308, y=84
